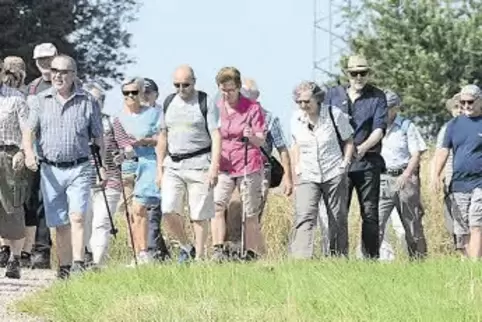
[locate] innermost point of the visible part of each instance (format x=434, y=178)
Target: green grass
x=435, y=290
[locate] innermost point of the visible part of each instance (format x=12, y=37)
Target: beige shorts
x=175, y=184
x=252, y=197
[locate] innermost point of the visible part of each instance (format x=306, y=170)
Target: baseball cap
x=44, y=50
x=472, y=90
x=150, y=85
x=393, y=100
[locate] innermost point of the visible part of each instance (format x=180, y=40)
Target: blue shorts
x=65, y=191
x=146, y=191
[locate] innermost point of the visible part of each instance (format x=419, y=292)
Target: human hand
x=18, y=161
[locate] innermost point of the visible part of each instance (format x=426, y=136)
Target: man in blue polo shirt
x=366, y=106
x=463, y=137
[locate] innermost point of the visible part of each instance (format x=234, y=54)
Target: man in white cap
x=43, y=55
x=463, y=137
x=366, y=106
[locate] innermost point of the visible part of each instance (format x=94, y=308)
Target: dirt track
x=12, y=290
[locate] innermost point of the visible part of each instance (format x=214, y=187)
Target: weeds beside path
x=436, y=290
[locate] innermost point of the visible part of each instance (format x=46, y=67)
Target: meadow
x=440, y=288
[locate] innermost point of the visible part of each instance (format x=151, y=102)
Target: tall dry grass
x=279, y=212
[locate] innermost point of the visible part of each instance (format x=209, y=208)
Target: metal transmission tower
x=330, y=35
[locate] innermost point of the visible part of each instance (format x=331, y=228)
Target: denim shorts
x=146, y=191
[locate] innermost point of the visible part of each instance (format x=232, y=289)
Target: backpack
x=203, y=106
x=32, y=89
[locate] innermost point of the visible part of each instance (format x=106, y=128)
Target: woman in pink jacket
x=240, y=118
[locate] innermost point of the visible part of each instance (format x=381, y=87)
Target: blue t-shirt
x=464, y=137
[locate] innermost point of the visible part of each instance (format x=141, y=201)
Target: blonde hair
x=227, y=74
x=14, y=72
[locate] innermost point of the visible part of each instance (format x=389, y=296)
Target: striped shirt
x=13, y=115
x=112, y=171
x=64, y=130
x=124, y=140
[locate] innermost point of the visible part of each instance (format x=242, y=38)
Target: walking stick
x=245, y=140
x=98, y=164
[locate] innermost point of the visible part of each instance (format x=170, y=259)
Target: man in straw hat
x=366, y=105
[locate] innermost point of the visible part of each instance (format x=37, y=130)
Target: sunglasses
x=62, y=72
x=130, y=93
x=469, y=102
x=183, y=85
x=362, y=73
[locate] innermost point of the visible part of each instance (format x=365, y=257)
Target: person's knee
x=76, y=219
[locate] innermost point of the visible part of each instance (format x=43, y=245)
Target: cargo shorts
x=13, y=193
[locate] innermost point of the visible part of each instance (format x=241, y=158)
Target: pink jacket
x=232, y=126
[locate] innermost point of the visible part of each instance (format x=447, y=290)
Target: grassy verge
x=437, y=290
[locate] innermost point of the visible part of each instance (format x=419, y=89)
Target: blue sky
x=270, y=41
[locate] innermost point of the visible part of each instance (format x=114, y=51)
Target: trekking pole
x=128, y=216
x=98, y=163
x=245, y=140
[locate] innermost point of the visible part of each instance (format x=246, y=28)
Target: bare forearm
x=27, y=140
x=413, y=164
x=257, y=140
x=161, y=149
x=441, y=156
x=215, y=149
x=286, y=162
x=372, y=140
x=348, y=150
x=294, y=156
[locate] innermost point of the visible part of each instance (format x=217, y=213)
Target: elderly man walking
x=463, y=137
x=43, y=54
x=68, y=112
x=188, y=154
x=13, y=184
x=400, y=185
x=366, y=106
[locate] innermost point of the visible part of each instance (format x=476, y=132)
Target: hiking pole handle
x=245, y=140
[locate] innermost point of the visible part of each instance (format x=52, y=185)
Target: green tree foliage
x=423, y=49
x=92, y=31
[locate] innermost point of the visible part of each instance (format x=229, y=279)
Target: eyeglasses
x=299, y=102
x=62, y=72
x=362, y=73
x=183, y=85
x=130, y=93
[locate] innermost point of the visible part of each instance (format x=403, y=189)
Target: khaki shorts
x=176, y=183
x=13, y=194
x=253, y=194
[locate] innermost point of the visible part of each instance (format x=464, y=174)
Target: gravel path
x=12, y=290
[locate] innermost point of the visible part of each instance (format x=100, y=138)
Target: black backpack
x=203, y=106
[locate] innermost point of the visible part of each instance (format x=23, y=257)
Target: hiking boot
x=88, y=258
x=63, y=272
x=4, y=255
x=186, y=255
x=77, y=268
x=41, y=260
x=251, y=256
x=25, y=260
x=160, y=256
x=13, y=268
x=219, y=254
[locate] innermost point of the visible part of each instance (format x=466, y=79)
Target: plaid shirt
x=275, y=137
x=64, y=130
x=13, y=116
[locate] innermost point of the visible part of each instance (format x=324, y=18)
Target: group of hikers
x=68, y=167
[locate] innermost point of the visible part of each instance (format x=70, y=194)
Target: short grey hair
x=139, y=81
x=72, y=62
x=472, y=90
x=91, y=86
x=317, y=91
